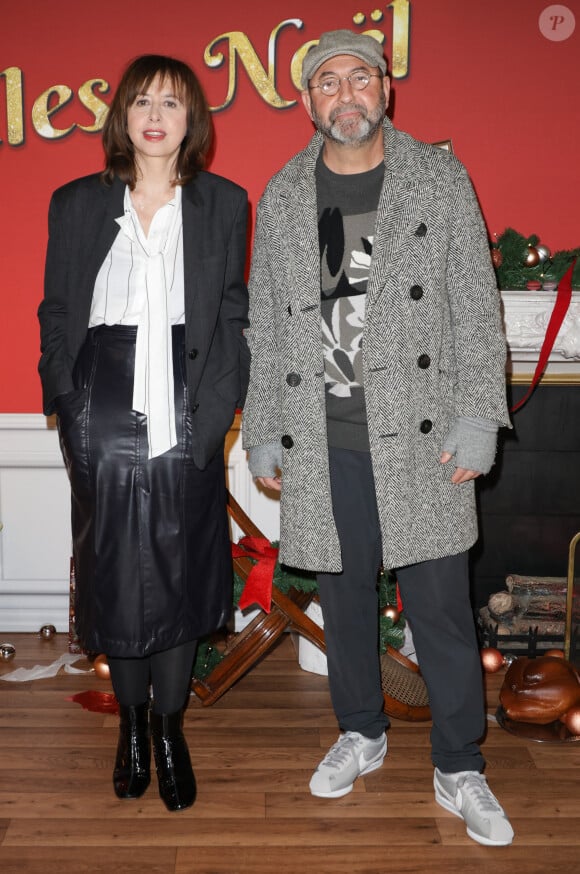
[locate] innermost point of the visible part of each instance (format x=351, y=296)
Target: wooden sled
x=404, y=690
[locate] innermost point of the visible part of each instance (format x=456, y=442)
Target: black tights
x=168, y=672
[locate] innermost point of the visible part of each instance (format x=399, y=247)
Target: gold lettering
x=98, y=107
x=240, y=46
x=14, y=110
x=42, y=112
x=296, y=63
x=400, y=53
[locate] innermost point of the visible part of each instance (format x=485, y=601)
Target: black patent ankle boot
x=174, y=772
x=132, y=773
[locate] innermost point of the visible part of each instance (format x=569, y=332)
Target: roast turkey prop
x=540, y=690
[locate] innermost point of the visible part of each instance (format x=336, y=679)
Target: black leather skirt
x=150, y=537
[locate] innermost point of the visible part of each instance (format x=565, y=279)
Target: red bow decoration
x=258, y=588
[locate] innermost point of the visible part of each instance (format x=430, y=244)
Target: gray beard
x=354, y=133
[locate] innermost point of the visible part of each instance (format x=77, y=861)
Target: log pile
x=527, y=603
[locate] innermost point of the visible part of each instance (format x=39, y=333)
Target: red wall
x=480, y=73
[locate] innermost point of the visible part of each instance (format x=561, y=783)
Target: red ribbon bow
x=258, y=588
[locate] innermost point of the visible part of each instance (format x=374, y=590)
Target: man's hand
x=270, y=482
x=461, y=474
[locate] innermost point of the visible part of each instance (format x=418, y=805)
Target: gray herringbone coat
x=429, y=236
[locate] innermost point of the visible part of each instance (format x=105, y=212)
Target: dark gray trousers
x=436, y=602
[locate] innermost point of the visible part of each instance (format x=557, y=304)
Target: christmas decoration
x=555, y=653
x=532, y=257
x=258, y=588
x=543, y=253
x=391, y=612
x=519, y=260
x=492, y=660
x=101, y=667
x=7, y=651
x=391, y=627
x=571, y=720
x=47, y=632
x=391, y=621
x=96, y=702
x=561, y=305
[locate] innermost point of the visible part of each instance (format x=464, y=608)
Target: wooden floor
x=253, y=753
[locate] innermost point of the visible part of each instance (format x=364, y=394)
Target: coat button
x=421, y=230
x=287, y=441
x=423, y=361
x=193, y=354
x=194, y=408
x=416, y=292
x=293, y=379
x=425, y=426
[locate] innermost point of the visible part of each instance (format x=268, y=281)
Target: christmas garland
x=524, y=263
x=391, y=621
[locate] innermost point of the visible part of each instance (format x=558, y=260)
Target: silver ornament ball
x=7, y=651
x=47, y=631
x=543, y=252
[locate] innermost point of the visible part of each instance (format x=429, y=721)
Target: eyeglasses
x=358, y=82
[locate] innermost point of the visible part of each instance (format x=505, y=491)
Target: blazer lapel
x=105, y=226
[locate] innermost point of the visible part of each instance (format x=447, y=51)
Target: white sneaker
x=351, y=756
x=467, y=795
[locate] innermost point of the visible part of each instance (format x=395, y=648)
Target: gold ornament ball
x=7, y=651
x=492, y=660
x=555, y=653
x=47, y=631
x=391, y=612
x=101, y=667
x=532, y=257
x=572, y=721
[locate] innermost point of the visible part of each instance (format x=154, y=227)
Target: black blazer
x=82, y=229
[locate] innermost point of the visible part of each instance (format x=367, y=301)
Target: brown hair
x=119, y=152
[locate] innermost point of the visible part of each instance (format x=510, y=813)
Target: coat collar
x=403, y=157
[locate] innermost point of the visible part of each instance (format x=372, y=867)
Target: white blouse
x=141, y=283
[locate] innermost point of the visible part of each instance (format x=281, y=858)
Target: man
x=376, y=390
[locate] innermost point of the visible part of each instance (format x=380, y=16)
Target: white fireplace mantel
x=526, y=317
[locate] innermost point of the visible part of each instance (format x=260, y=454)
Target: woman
x=144, y=361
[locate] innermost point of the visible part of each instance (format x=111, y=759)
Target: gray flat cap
x=342, y=42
